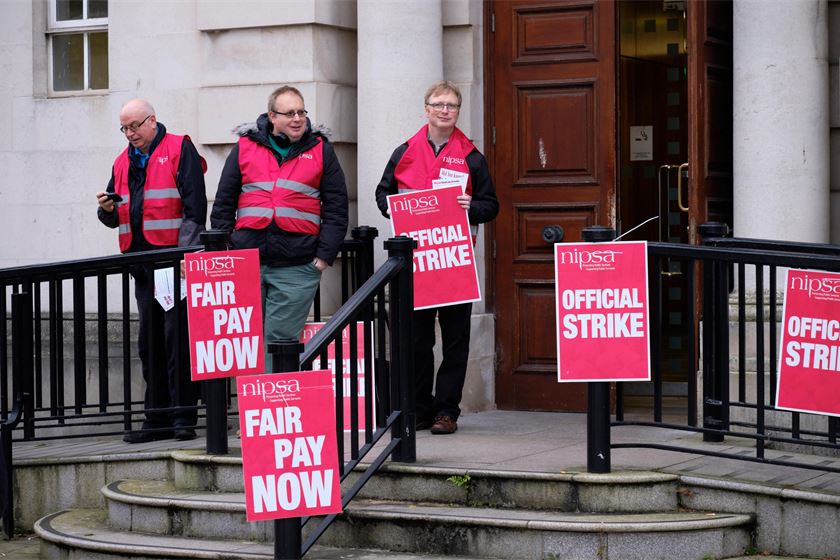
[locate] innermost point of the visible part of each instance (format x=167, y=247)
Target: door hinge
x=494, y=135
x=492, y=22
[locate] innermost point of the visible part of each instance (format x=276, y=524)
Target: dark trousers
x=455, y=339
x=165, y=356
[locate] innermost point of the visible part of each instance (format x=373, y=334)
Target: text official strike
x=436, y=258
x=605, y=320
x=236, y=349
x=293, y=486
x=814, y=355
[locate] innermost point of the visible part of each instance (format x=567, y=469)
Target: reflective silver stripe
x=258, y=186
x=150, y=225
x=298, y=187
x=254, y=212
x=162, y=193
x=473, y=230
x=124, y=228
x=290, y=213
x=403, y=191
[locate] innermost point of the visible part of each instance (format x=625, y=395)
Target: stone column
x=781, y=120
x=400, y=50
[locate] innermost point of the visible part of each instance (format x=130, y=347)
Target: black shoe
x=145, y=437
x=184, y=434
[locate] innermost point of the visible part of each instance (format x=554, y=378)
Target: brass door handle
x=682, y=206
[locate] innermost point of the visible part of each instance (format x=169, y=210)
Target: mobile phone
x=114, y=197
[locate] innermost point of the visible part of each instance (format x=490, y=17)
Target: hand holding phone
x=114, y=197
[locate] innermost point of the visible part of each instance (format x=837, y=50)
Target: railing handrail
x=345, y=314
x=745, y=255
x=27, y=273
x=774, y=245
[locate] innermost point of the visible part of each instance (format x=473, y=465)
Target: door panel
x=552, y=106
x=710, y=112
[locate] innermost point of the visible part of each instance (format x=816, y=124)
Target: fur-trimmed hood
x=259, y=129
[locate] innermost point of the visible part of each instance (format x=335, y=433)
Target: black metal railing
x=387, y=411
x=719, y=276
x=69, y=369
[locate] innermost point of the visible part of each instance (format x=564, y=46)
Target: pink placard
x=309, y=331
x=809, y=361
x=289, y=448
x=224, y=312
x=444, y=260
x=602, y=311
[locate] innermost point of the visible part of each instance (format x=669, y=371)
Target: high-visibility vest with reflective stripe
x=419, y=166
x=162, y=207
x=289, y=193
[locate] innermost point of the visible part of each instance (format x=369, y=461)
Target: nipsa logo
x=589, y=259
x=817, y=287
x=214, y=266
x=418, y=205
x=272, y=389
x=450, y=160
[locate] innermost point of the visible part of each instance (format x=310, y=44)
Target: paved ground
x=518, y=441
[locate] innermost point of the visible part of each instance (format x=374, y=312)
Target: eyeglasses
x=441, y=106
x=292, y=114
x=133, y=127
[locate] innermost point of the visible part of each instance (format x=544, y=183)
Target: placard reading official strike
x=444, y=260
x=309, y=331
x=809, y=362
x=289, y=447
x=224, y=313
x=602, y=311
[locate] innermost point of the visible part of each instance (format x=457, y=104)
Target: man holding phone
x=157, y=199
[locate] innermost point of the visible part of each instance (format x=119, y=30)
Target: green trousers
x=287, y=295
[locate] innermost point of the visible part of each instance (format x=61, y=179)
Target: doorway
x=599, y=112
x=652, y=202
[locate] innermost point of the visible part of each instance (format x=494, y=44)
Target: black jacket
x=484, y=205
x=278, y=247
x=190, y=181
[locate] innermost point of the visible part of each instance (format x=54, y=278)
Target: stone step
x=620, y=491
x=85, y=535
x=518, y=534
x=157, y=507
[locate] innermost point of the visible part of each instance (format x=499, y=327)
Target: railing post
x=285, y=356
x=23, y=352
x=364, y=270
x=215, y=390
x=22, y=388
x=365, y=234
x=402, y=349
x=715, y=351
x=598, y=392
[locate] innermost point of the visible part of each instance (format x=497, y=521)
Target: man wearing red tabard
x=440, y=150
x=156, y=199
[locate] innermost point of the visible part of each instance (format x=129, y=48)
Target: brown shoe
x=444, y=425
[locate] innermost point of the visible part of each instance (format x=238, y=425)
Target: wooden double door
x=567, y=81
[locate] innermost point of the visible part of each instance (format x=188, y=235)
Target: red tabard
x=162, y=206
x=419, y=166
x=288, y=193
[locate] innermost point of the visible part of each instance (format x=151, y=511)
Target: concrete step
x=85, y=535
x=620, y=491
x=518, y=534
x=157, y=507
